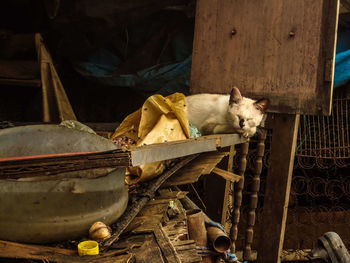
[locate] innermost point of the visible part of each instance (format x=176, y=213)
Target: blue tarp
x=342, y=58
x=172, y=74
x=342, y=68
x=164, y=79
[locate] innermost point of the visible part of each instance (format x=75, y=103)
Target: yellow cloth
x=161, y=119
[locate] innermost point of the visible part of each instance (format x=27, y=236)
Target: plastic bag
x=161, y=119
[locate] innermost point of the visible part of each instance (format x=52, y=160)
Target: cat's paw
x=245, y=134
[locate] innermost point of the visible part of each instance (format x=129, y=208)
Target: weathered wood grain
x=284, y=137
x=167, y=248
x=282, y=50
x=170, y=150
x=203, y=164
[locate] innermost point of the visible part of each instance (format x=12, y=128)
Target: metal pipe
x=197, y=230
x=219, y=240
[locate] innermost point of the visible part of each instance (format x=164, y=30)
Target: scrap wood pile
x=156, y=233
x=154, y=228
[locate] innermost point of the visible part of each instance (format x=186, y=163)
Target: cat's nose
x=241, y=123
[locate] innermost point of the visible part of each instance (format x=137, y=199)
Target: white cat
x=215, y=113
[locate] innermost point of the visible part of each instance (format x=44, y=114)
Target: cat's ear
x=262, y=104
x=235, y=96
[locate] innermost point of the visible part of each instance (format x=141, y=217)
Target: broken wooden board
x=186, y=249
x=168, y=249
x=148, y=219
x=281, y=50
x=149, y=251
x=170, y=233
x=203, y=164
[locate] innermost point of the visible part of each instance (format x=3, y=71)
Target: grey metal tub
x=60, y=207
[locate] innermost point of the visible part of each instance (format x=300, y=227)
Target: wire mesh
x=325, y=138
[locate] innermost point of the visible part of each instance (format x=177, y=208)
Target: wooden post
x=284, y=137
x=228, y=187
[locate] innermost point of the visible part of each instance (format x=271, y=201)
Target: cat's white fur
x=215, y=113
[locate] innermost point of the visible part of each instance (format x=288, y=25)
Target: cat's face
x=246, y=114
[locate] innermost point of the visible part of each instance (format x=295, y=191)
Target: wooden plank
x=204, y=164
x=282, y=50
x=165, y=245
x=170, y=150
x=284, y=137
x=31, y=166
x=230, y=139
x=149, y=251
x=229, y=176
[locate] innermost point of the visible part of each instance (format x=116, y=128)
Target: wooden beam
x=284, y=137
x=165, y=151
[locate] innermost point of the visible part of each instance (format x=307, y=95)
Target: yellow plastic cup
x=89, y=247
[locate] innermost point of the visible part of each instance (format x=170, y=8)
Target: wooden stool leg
x=253, y=199
x=238, y=195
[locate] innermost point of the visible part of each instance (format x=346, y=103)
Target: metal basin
x=60, y=207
